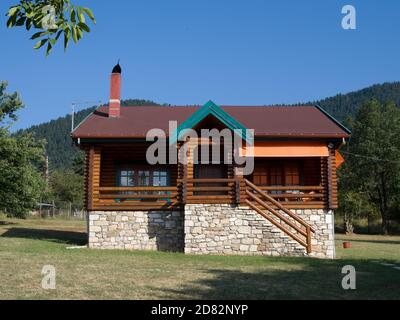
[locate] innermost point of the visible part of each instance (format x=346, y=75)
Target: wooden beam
x=90, y=180
x=277, y=204
x=332, y=181
x=276, y=213
x=278, y=225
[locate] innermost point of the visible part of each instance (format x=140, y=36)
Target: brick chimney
x=115, y=93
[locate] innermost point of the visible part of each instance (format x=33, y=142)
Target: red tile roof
x=267, y=121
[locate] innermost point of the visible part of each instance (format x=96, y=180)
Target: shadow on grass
x=6, y=223
x=67, y=237
x=302, y=280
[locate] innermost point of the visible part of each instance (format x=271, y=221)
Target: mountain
x=61, y=151
x=59, y=147
x=343, y=105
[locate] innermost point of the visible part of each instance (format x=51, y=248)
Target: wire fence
x=65, y=211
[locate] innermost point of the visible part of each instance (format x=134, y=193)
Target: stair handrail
x=279, y=205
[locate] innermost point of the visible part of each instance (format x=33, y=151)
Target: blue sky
x=189, y=51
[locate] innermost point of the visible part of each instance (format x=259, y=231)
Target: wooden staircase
x=287, y=221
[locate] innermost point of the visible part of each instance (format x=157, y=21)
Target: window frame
x=136, y=168
x=281, y=172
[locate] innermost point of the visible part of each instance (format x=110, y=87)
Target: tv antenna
x=74, y=105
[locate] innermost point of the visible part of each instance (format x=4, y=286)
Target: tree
x=78, y=165
x=353, y=205
x=9, y=104
x=21, y=182
x=51, y=19
x=373, y=165
x=67, y=187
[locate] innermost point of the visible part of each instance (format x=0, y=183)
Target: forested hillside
x=59, y=147
x=61, y=152
x=344, y=105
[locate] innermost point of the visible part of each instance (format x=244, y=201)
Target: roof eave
x=332, y=118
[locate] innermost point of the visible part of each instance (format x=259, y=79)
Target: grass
x=27, y=245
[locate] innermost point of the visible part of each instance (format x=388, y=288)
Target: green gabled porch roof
x=210, y=108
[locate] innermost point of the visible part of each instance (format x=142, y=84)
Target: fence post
x=308, y=228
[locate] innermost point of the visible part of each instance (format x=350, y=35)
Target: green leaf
x=37, y=20
x=89, y=14
x=39, y=34
x=71, y=20
x=40, y=44
x=11, y=21
x=49, y=48
x=84, y=27
x=74, y=34
x=28, y=24
x=13, y=10
x=73, y=15
x=26, y=5
x=20, y=21
x=67, y=36
x=59, y=33
x=81, y=16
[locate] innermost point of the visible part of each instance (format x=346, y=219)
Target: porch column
x=192, y=144
x=236, y=172
x=332, y=180
x=92, y=177
x=186, y=169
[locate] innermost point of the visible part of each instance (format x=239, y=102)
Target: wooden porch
x=308, y=183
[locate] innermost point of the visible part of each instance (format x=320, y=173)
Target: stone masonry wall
x=208, y=229
x=226, y=229
x=139, y=230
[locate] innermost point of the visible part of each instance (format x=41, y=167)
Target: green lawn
x=27, y=245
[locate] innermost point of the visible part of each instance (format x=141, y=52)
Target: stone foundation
x=208, y=229
x=227, y=229
x=138, y=230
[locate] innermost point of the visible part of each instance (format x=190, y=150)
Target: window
x=277, y=173
x=160, y=178
x=260, y=176
x=292, y=174
x=126, y=178
x=142, y=177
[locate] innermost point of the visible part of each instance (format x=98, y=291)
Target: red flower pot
x=346, y=245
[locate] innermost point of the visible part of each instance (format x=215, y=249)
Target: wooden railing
x=297, y=196
x=210, y=190
x=287, y=221
x=199, y=191
x=138, y=198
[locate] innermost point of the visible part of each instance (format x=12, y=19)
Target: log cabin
x=283, y=206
